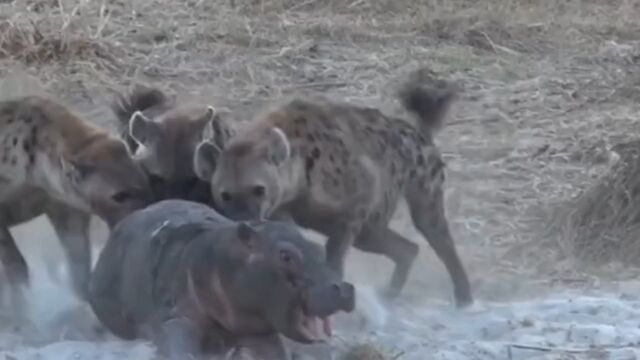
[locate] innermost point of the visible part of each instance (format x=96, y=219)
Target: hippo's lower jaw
x=313, y=329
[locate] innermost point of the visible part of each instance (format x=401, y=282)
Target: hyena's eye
x=122, y=196
x=155, y=180
x=191, y=183
x=259, y=190
x=225, y=196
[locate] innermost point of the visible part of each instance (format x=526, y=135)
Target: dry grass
x=364, y=352
x=602, y=223
x=548, y=87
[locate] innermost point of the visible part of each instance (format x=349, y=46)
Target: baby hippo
x=194, y=282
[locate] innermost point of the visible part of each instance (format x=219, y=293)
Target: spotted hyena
x=340, y=169
x=163, y=136
x=53, y=162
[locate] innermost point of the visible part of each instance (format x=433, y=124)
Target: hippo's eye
x=287, y=260
x=285, y=257
x=122, y=196
x=225, y=196
x=259, y=191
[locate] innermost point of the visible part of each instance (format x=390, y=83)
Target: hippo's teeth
x=326, y=326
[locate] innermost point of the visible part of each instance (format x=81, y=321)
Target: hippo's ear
x=247, y=235
x=279, y=148
x=142, y=129
x=205, y=159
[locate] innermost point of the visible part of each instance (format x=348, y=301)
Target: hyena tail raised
x=141, y=98
x=430, y=105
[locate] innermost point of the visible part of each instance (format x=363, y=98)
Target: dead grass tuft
x=28, y=43
x=364, y=352
x=48, y=31
x=602, y=224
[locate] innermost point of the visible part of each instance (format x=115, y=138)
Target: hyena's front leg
x=72, y=227
x=341, y=238
x=348, y=223
x=15, y=265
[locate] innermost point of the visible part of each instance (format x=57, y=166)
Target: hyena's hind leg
x=72, y=227
x=426, y=205
x=379, y=239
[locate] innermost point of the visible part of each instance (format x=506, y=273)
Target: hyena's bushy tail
x=141, y=98
x=429, y=104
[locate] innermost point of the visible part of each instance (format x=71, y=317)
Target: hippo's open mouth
x=317, y=306
x=313, y=328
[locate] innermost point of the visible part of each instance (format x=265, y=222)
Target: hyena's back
x=34, y=128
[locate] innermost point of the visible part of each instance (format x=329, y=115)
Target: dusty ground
x=548, y=88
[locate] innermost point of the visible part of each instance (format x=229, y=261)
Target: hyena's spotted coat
x=340, y=169
x=52, y=162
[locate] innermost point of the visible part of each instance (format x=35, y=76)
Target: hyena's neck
x=52, y=173
x=52, y=166
x=293, y=179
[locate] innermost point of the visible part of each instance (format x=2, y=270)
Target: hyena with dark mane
x=340, y=169
x=55, y=163
x=163, y=135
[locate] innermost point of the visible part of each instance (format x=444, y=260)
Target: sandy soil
x=548, y=88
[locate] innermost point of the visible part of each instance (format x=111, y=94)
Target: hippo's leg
x=179, y=339
x=112, y=316
x=72, y=227
x=265, y=347
x=387, y=242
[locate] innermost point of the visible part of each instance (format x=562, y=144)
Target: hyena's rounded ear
x=279, y=148
x=215, y=130
x=142, y=129
x=205, y=159
x=210, y=119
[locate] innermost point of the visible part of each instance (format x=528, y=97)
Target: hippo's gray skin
x=193, y=282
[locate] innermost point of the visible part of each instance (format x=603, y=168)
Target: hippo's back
x=144, y=243
x=179, y=211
